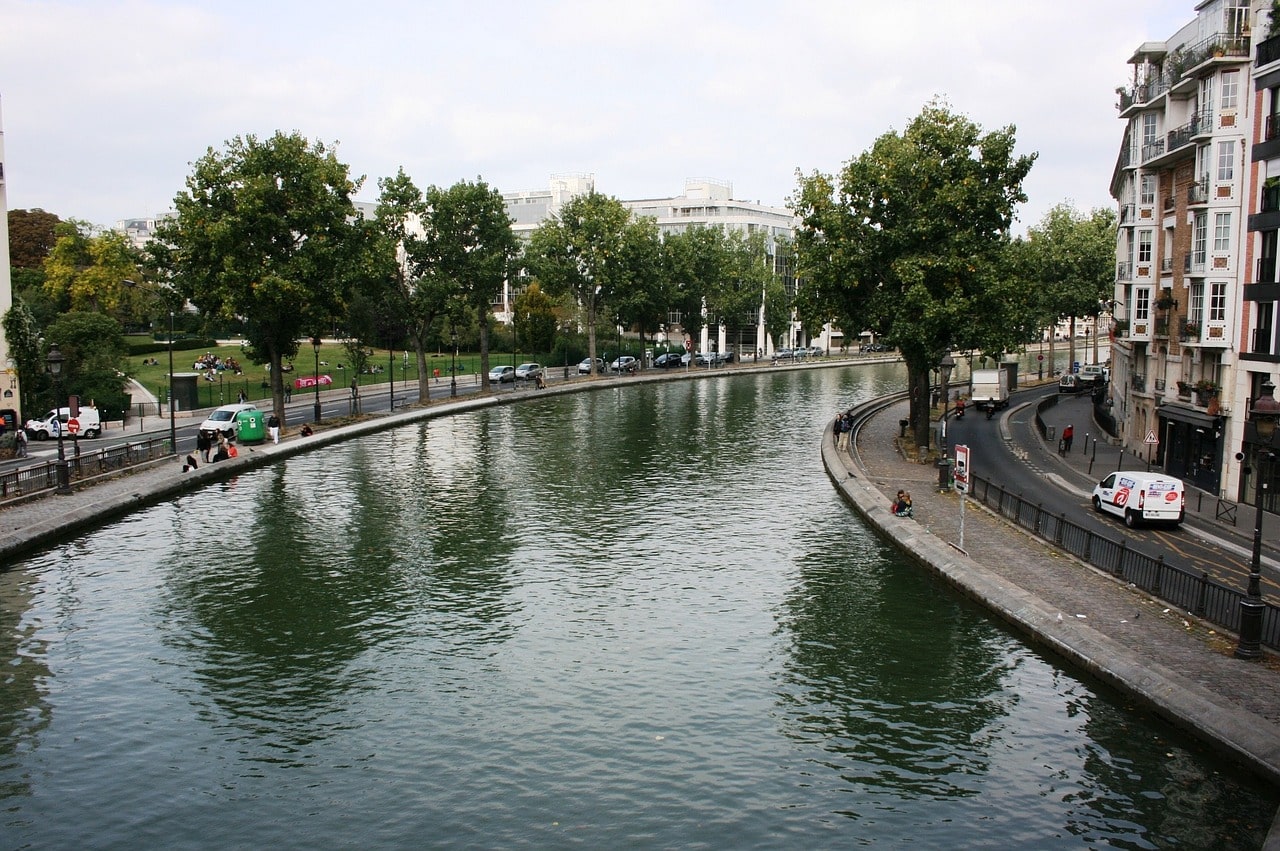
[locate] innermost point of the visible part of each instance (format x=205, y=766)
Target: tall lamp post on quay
x=53, y=363
x=945, y=366
x=315, y=347
x=1263, y=413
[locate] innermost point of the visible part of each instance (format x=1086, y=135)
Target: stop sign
x=688, y=345
x=73, y=426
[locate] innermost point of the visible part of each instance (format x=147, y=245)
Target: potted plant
x=1121, y=326
x=1184, y=389
x=1166, y=301
x=1190, y=329
x=1205, y=391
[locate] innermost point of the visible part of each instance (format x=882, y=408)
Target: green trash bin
x=253, y=426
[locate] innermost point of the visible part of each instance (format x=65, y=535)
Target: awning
x=1186, y=414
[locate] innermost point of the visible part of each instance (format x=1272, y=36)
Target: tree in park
x=31, y=237
x=86, y=270
x=579, y=251
x=696, y=261
x=642, y=304
x=535, y=319
x=1068, y=262
x=736, y=298
x=266, y=230
x=910, y=240
x=466, y=253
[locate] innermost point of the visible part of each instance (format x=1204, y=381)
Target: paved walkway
x=1177, y=665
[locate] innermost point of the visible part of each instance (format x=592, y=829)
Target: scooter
x=991, y=409
x=959, y=412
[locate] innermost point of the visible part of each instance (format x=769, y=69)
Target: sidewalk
x=1162, y=657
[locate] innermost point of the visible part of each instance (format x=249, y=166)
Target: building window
x=1148, y=189
x=1226, y=161
x=1218, y=302
x=1141, y=304
x=1195, y=310
x=1148, y=128
x=1230, y=89
x=1199, y=240
x=1144, y=246
x=1222, y=232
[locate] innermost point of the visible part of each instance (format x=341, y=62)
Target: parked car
x=223, y=419
x=89, y=424
x=670, y=360
x=584, y=368
x=503, y=374
x=816, y=351
x=528, y=371
x=625, y=363
x=783, y=354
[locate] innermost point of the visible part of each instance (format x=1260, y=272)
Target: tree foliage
x=465, y=255
x=266, y=230
x=31, y=237
x=910, y=239
x=86, y=270
x=580, y=251
x=535, y=319
x=93, y=348
x=1068, y=259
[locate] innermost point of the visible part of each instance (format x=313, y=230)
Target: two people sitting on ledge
x=902, y=505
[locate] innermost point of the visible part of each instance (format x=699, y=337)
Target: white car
x=503, y=374
x=223, y=419
x=626, y=363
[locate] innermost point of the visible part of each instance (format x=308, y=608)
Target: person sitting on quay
x=902, y=505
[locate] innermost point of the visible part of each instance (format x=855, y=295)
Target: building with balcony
x=1183, y=184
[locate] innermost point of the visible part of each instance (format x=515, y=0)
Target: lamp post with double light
x=54, y=361
x=1263, y=413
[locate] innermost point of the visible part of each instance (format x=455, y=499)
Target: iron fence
x=1191, y=592
x=81, y=465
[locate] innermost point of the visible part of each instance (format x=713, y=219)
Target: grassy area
x=253, y=380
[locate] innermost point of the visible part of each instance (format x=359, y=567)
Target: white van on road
x=88, y=424
x=1141, y=497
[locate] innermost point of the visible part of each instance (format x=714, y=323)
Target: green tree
x=467, y=252
x=696, y=262
x=642, y=302
x=22, y=334
x=31, y=237
x=742, y=285
x=266, y=230
x=535, y=319
x=94, y=350
x=580, y=251
x=87, y=270
x=910, y=241
x=1068, y=261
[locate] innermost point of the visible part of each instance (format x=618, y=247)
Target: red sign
x=962, y=468
x=688, y=345
x=73, y=426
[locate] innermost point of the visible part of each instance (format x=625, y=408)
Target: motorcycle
x=960, y=412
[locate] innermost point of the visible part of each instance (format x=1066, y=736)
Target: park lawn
x=253, y=380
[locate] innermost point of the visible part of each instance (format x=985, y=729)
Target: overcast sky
x=106, y=104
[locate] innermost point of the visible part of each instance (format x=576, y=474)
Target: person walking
x=1068, y=434
x=20, y=443
x=273, y=428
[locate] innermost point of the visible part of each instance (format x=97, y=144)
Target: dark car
x=670, y=360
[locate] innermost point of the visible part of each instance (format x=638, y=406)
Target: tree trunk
x=484, y=351
x=920, y=424
x=420, y=355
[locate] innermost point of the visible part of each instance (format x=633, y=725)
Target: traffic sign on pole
x=73, y=426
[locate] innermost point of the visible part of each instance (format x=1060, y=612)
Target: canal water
x=637, y=617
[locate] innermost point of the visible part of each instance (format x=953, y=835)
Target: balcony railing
x=1153, y=150
x=1271, y=130
x=1126, y=214
x=1166, y=265
x=1198, y=192
x=1269, y=51
x=1261, y=341
x=1266, y=270
x=1139, y=383
x=1124, y=271
x=1193, y=263
x=1161, y=327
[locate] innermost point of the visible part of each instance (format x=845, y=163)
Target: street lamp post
x=53, y=362
x=453, y=365
x=1264, y=412
x=945, y=366
x=315, y=347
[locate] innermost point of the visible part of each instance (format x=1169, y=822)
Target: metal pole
x=1252, y=607
x=315, y=347
x=173, y=430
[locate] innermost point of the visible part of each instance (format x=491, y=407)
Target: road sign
x=73, y=426
x=1151, y=438
x=688, y=345
x=962, y=468
x=1039, y=357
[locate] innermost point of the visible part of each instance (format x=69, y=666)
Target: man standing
x=1068, y=434
x=273, y=427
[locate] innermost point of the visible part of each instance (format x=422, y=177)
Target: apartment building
x=1185, y=189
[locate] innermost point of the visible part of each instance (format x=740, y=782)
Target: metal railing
x=1195, y=593
x=25, y=481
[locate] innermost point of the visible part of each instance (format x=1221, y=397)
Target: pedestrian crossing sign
x=1151, y=438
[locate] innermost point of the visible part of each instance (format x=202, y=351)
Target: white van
x=1141, y=497
x=88, y=424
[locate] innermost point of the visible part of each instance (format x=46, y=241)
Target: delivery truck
x=989, y=389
